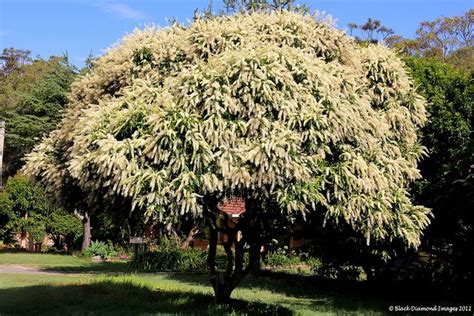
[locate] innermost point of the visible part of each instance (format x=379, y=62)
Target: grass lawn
x=87, y=289
x=50, y=262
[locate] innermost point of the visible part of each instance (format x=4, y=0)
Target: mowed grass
x=91, y=289
x=41, y=260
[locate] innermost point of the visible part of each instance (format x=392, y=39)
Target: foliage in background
x=12, y=60
x=448, y=171
x=447, y=39
x=281, y=258
x=33, y=95
x=23, y=207
x=343, y=255
x=168, y=256
x=117, y=226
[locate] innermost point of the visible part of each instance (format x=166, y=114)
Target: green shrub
x=343, y=272
x=170, y=260
x=48, y=249
x=167, y=255
x=102, y=249
x=313, y=263
x=280, y=258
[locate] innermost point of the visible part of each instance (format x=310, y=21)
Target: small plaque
x=234, y=206
x=136, y=240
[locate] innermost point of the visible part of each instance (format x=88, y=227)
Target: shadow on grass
x=327, y=297
x=93, y=267
x=340, y=294
x=121, y=295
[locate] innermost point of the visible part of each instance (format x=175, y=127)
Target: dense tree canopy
x=448, y=173
x=278, y=108
x=25, y=209
x=32, y=98
x=22, y=208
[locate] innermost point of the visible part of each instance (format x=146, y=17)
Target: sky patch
x=122, y=10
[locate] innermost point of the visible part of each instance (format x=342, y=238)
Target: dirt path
x=5, y=268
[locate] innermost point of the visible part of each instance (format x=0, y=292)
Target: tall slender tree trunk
x=23, y=240
x=2, y=136
x=23, y=235
x=86, y=233
x=30, y=243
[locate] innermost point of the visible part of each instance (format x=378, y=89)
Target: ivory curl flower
x=277, y=107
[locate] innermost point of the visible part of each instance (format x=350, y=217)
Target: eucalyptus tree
x=371, y=30
x=277, y=108
x=258, y=5
x=448, y=39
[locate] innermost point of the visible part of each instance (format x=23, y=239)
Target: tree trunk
x=86, y=233
x=30, y=243
x=222, y=292
x=23, y=240
x=23, y=235
x=2, y=137
x=189, y=238
x=57, y=241
x=225, y=282
x=254, y=256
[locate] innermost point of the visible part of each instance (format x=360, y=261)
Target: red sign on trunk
x=233, y=206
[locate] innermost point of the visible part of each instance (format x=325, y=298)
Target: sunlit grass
x=58, y=262
x=42, y=260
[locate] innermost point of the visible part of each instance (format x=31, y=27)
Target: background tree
x=12, y=60
x=256, y=5
x=23, y=207
x=64, y=228
x=445, y=35
x=277, y=108
x=463, y=58
x=32, y=99
x=410, y=47
x=447, y=171
x=372, y=31
x=448, y=39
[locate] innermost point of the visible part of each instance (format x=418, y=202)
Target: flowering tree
x=277, y=108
